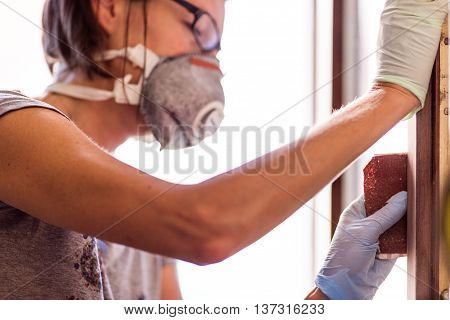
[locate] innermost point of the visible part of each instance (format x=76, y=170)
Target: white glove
x=351, y=270
x=408, y=42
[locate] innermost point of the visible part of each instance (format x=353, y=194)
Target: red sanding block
x=385, y=176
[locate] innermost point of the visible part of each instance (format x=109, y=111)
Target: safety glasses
x=204, y=27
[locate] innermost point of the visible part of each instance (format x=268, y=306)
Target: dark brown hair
x=72, y=34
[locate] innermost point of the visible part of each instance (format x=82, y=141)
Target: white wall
x=22, y=65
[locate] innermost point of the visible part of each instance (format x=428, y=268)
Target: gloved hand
x=351, y=270
x=408, y=42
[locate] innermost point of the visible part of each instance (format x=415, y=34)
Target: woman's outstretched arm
x=52, y=171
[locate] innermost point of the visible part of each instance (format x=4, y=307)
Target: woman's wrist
x=316, y=294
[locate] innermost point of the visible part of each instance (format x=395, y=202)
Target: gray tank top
x=41, y=261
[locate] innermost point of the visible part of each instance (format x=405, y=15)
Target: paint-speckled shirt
x=41, y=261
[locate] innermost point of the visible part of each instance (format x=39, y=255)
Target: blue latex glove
x=351, y=270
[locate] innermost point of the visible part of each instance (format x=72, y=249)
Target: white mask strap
x=123, y=92
x=139, y=55
x=126, y=93
x=80, y=92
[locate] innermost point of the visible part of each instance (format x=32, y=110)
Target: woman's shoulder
x=15, y=100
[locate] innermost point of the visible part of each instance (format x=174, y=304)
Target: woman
x=58, y=183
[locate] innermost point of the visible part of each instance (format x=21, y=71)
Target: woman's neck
x=106, y=123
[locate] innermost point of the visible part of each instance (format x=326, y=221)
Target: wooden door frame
x=427, y=177
x=337, y=100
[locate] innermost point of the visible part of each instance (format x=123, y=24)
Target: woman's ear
x=105, y=11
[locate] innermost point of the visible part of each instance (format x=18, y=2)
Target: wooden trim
x=337, y=99
x=428, y=159
x=444, y=159
x=338, y=53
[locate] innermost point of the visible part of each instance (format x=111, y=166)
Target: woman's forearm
x=246, y=204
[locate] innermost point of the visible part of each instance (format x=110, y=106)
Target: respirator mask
x=180, y=98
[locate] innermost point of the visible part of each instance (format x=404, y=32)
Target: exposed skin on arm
x=56, y=174
x=316, y=294
x=170, y=288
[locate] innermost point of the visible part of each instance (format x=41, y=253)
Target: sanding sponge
x=385, y=176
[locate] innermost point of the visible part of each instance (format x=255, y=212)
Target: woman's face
x=168, y=30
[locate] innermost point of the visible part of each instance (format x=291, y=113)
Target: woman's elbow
x=217, y=240
x=212, y=252
x=212, y=228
